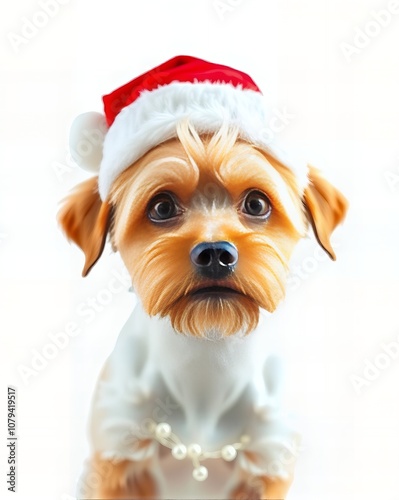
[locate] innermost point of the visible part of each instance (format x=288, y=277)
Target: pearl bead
x=229, y=453
x=179, y=452
x=194, y=450
x=200, y=473
x=163, y=430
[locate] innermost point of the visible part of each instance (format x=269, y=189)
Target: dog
x=187, y=405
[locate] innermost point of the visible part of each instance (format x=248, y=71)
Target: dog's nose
x=215, y=260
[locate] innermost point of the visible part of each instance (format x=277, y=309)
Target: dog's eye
x=256, y=204
x=163, y=207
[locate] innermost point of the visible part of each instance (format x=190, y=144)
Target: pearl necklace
x=163, y=434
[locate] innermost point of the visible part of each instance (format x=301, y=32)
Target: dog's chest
x=204, y=389
x=207, y=391
x=205, y=377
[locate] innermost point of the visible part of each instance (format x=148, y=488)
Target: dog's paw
x=251, y=490
x=108, y=479
x=261, y=488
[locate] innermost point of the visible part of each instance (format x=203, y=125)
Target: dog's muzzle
x=215, y=260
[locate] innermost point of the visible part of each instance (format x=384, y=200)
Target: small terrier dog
x=205, y=219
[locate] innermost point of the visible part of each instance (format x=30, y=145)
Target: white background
x=345, y=109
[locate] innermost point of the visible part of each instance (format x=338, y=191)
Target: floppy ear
x=85, y=220
x=326, y=208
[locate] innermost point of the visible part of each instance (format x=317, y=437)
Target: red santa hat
x=144, y=113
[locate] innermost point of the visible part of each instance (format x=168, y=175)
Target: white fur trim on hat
x=153, y=117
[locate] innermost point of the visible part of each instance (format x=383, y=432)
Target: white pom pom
x=86, y=140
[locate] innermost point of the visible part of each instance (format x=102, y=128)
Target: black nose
x=214, y=260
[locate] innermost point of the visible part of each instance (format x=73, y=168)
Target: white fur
x=153, y=117
x=210, y=392
x=86, y=139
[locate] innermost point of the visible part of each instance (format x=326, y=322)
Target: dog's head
x=206, y=226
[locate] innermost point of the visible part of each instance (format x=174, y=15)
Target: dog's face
x=206, y=227
x=206, y=232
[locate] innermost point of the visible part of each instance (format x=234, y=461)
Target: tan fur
x=119, y=480
x=85, y=220
x=326, y=207
x=262, y=488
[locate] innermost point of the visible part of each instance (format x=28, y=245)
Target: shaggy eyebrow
x=261, y=174
x=166, y=173
x=167, y=159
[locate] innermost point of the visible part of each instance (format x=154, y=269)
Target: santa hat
x=145, y=112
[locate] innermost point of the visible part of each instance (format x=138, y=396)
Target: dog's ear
x=326, y=208
x=85, y=220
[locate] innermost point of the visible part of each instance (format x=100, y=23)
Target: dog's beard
x=214, y=317
x=165, y=283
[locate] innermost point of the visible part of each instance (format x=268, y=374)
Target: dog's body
x=187, y=405
x=209, y=392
